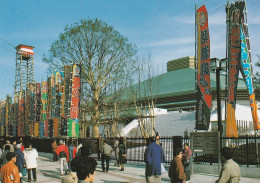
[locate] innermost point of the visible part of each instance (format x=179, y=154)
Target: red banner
x=204, y=98
x=75, y=93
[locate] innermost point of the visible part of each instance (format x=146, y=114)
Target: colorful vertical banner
x=48, y=115
x=21, y=113
x=75, y=99
x=73, y=128
x=75, y=92
x=3, y=102
x=234, y=15
x=31, y=129
x=55, y=127
x=8, y=116
x=58, y=78
x=53, y=97
x=41, y=130
x=50, y=122
x=44, y=119
x=64, y=126
x=44, y=100
x=204, y=98
x=36, y=129
x=66, y=92
x=16, y=114
x=38, y=102
x=247, y=72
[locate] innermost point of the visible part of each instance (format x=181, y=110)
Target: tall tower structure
x=24, y=75
x=24, y=72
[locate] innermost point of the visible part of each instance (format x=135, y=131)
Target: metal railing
x=245, y=149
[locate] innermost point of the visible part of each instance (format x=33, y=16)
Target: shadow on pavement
x=52, y=174
x=105, y=181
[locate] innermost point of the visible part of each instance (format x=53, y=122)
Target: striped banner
x=234, y=14
x=204, y=98
x=247, y=72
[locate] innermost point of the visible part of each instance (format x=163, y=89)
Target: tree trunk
x=95, y=131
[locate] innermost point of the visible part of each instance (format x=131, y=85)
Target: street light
x=216, y=64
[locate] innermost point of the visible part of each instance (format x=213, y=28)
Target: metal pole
x=219, y=99
x=218, y=63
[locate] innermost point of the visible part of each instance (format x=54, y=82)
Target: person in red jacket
x=62, y=152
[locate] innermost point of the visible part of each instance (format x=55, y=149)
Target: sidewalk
x=48, y=171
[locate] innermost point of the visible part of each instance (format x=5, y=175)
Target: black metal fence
x=245, y=149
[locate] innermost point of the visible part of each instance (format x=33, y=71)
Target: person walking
x=62, y=152
x=72, y=149
x=230, y=171
x=79, y=145
x=54, y=149
x=72, y=176
x=116, y=150
x=122, y=153
x=10, y=172
x=105, y=156
x=30, y=156
x=3, y=156
x=154, y=158
x=22, y=146
x=20, y=161
x=9, y=144
x=100, y=145
x=186, y=160
x=176, y=170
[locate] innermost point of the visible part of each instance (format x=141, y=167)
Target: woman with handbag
x=122, y=153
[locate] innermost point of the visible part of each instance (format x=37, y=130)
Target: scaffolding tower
x=24, y=71
x=24, y=75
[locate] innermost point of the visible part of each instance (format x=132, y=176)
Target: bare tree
x=105, y=55
x=143, y=94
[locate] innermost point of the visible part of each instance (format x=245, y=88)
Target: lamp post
x=215, y=64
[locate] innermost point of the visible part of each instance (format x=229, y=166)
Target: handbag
x=162, y=168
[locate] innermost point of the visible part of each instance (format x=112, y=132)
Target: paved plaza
x=48, y=172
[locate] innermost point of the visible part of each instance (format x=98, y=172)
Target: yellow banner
x=253, y=106
x=231, y=126
x=36, y=129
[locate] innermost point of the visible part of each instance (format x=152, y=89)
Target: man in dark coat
x=20, y=161
x=153, y=159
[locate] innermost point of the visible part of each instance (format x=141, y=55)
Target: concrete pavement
x=48, y=172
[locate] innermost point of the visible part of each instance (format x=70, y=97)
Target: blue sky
x=163, y=28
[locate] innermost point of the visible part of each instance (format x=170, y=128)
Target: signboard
x=205, y=142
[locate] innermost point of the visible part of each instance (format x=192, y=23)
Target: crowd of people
x=17, y=160
x=76, y=165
